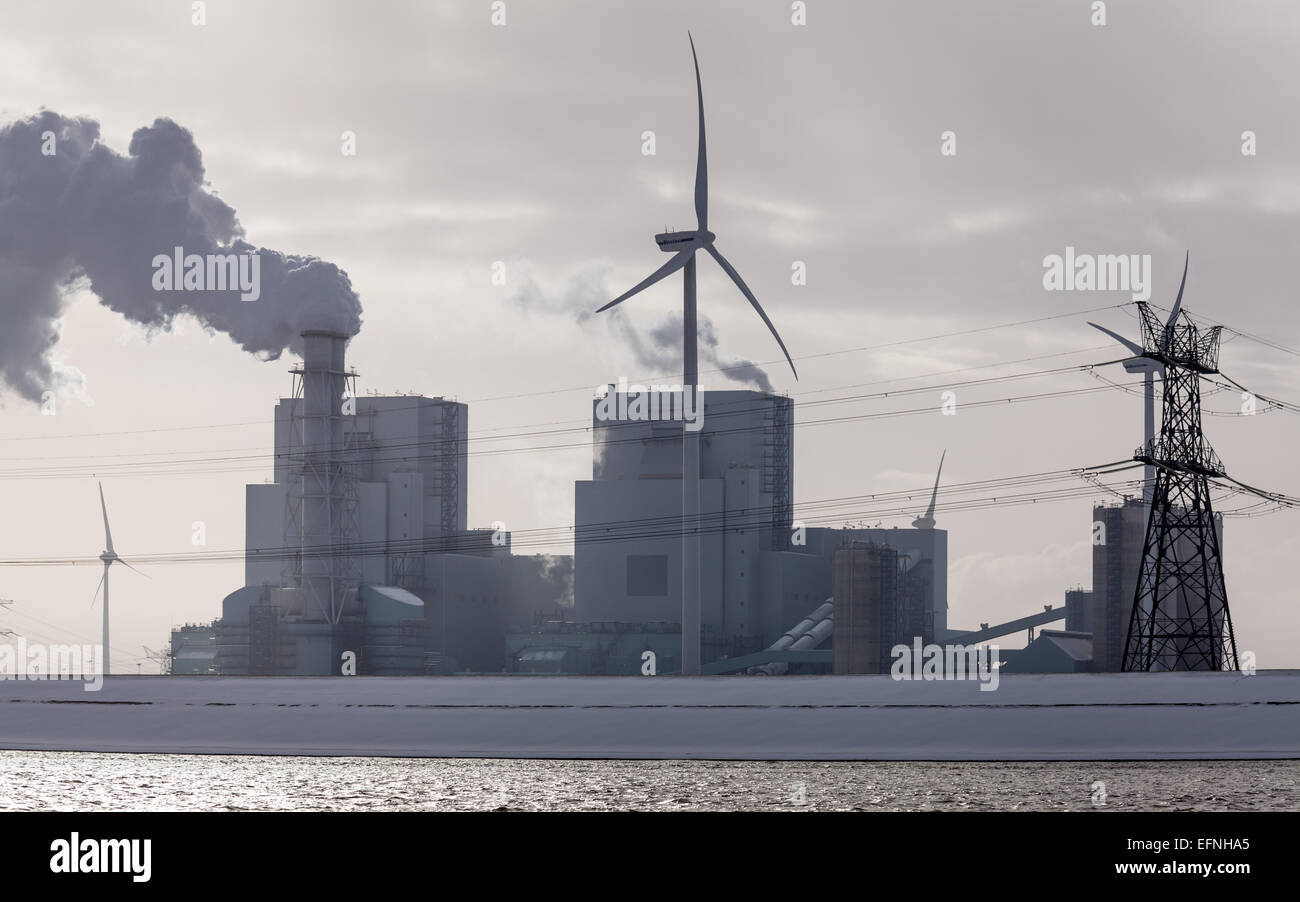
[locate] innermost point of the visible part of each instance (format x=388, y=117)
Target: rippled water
x=82, y=781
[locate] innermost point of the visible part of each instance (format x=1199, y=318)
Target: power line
x=583, y=425
x=539, y=393
x=1001, y=489
x=1249, y=336
x=178, y=467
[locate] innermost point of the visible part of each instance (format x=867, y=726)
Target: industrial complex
x=687, y=557
x=359, y=558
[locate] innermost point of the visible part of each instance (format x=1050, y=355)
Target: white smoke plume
x=88, y=215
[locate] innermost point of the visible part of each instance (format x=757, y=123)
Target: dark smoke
x=659, y=353
x=88, y=215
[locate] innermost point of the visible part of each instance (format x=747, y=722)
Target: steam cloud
x=88, y=213
x=659, y=352
x=666, y=345
x=557, y=572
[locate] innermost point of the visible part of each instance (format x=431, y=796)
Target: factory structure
x=358, y=554
x=359, y=557
x=1118, y=532
x=878, y=602
x=762, y=574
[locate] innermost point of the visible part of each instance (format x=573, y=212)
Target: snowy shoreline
x=1029, y=717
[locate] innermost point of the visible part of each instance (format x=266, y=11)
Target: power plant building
x=360, y=546
x=359, y=549
x=760, y=573
x=192, y=650
x=1078, y=610
x=879, y=603
x=1118, y=531
x=627, y=544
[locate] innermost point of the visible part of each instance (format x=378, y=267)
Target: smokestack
x=324, y=533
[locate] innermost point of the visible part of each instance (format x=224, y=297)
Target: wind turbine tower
x=683, y=245
x=109, y=557
x=1140, y=363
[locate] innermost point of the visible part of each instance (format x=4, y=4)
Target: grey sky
x=523, y=144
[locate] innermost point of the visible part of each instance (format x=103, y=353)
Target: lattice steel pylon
x=1180, y=618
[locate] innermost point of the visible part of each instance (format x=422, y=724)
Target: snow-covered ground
x=1074, y=716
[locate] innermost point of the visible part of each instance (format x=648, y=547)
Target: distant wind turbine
x=1148, y=368
x=109, y=557
x=683, y=245
x=926, y=520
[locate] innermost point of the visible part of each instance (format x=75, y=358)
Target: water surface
x=89, y=781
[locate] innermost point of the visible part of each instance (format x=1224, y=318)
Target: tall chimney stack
x=323, y=470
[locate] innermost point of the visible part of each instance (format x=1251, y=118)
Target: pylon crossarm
x=1201, y=460
x=1153, y=331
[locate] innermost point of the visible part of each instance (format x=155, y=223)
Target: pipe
x=807, y=633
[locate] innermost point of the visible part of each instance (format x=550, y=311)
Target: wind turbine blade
x=677, y=262
x=108, y=536
x=1178, y=304
x=1136, y=349
x=749, y=295
x=701, y=161
x=929, y=511
x=129, y=567
x=94, y=598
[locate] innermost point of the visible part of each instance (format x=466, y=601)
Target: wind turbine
x=683, y=245
x=109, y=557
x=1148, y=368
x=926, y=520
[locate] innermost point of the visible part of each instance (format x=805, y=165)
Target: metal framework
x=1180, y=618
x=914, y=616
x=322, y=497
x=893, y=609
x=777, y=439
x=449, y=469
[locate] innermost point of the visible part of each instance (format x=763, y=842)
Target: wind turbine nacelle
x=1140, y=365
x=672, y=242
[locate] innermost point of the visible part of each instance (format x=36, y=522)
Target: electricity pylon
x=1180, y=618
